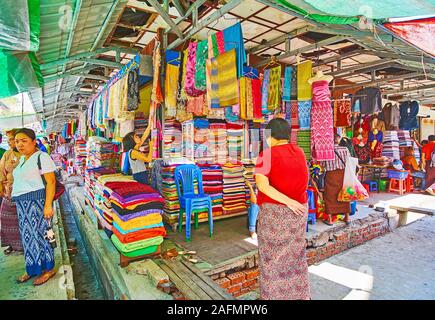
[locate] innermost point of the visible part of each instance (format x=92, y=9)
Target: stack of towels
x=235, y=135
x=391, y=147
x=234, y=192
x=212, y=181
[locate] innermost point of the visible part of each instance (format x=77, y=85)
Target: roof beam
x=105, y=63
x=413, y=89
x=280, y=39
x=399, y=56
x=205, y=22
x=381, y=81
x=55, y=94
x=370, y=65
x=310, y=47
x=193, y=6
x=179, y=7
x=165, y=16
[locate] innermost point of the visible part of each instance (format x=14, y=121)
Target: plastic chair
x=312, y=206
x=352, y=208
x=191, y=202
x=409, y=182
x=397, y=185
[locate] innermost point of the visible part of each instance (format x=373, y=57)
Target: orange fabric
x=140, y=235
x=428, y=149
x=409, y=162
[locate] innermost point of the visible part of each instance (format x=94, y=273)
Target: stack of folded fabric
x=304, y=142
x=235, y=134
x=172, y=138
x=101, y=153
x=218, y=141
x=248, y=174
x=213, y=185
x=416, y=152
x=382, y=161
x=137, y=218
x=254, y=140
x=234, y=193
x=188, y=144
x=80, y=156
x=140, y=124
x=404, y=138
x=391, y=148
x=201, y=146
x=169, y=192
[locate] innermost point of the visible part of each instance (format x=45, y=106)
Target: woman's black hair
x=28, y=132
x=279, y=129
x=128, y=141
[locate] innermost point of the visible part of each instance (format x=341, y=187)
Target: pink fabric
x=189, y=87
x=322, y=122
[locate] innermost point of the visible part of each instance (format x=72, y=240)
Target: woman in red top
x=281, y=176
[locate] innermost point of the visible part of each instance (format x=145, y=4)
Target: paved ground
x=399, y=265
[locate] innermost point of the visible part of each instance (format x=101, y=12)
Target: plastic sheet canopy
x=20, y=25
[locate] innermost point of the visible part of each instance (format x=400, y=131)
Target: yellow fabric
x=305, y=70
x=227, y=78
x=274, y=88
x=171, y=87
x=249, y=100
x=145, y=100
x=117, y=177
x=114, y=100
x=183, y=94
x=139, y=222
x=242, y=100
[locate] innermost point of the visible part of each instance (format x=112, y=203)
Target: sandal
x=24, y=278
x=8, y=250
x=44, y=278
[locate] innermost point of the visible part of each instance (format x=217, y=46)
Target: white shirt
x=27, y=177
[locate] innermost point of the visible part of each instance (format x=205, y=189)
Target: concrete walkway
x=399, y=265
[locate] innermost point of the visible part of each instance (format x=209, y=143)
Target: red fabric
x=284, y=161
x=428, y=149
x=139, y=235
x=124, y=205
x=417, y=32
x=256, y=98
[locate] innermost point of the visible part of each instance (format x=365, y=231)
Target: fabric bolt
x=281, y=245
x=201, y=57
x=304, y=72
x=322, y=123
x=133, y=89
x=265, y=92
x=286, y=92
x=274, y=100
x=227, y=78
x=233, y=39
x=38, y=254
x=342, y=113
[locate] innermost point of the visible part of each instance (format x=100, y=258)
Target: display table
x=377, y=171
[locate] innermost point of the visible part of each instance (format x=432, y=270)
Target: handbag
x=60, y=188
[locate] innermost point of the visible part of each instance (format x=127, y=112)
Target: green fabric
x=20, y=72
x=330, y=19
x=201, y=56
x=2, y=152
x=375, y=9
x=141, y=252
x=137, y=245
x=215, y=45
x=20, y=25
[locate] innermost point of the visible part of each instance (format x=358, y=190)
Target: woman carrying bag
x=34, y=200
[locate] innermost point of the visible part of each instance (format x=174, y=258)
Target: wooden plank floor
x=192, y=283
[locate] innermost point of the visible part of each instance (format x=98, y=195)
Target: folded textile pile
x=382, y=161
x=140, y=124
x=201, y=141
x=218, y=142
x=235, y=134
x=391, y=145
x=404, y=138
x=248, y=174
x=234, y=193
x=172, y=137
x=304, y=141
x=212, y=181
x=101, y=153
x=137, y=218
x=80, y=156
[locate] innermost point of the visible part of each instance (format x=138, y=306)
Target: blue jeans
x=253, y=211
x=141, y=177
x=422, y=176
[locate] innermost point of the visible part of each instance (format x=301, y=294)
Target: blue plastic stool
x=373, y=186
x=312, y=208
x=191, y=202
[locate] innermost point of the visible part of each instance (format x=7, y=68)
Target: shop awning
x=419, y=33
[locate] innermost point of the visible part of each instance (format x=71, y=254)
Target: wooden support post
x=403, y=217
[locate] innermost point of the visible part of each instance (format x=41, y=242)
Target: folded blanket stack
x=202, y=135
x=212, y=181
x=218, y=142
x=137, y=218
x=248, y=174
x=235, y=135
x=172, y=139
x=101, y=153
x=234, y=192
x=391, y=148
x=80, y=156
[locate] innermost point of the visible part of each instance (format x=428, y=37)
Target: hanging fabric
x=183, y=95
x=201, y=57
x=288, y=75
x=212, y=83
x=233, y=39
x=295, y=117
x=265, y=92
x=304, y=114
x=256, y=99
x=242, y=97
x=171, y=89
x=342, y=113
x=190, y=88
x=274, y=100
x=133, y=89
x=227, y=78
x=304, y=73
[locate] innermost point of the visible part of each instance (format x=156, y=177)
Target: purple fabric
x=136, y=214
x=142, y=196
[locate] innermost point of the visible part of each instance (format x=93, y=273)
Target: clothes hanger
x=272, y=63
